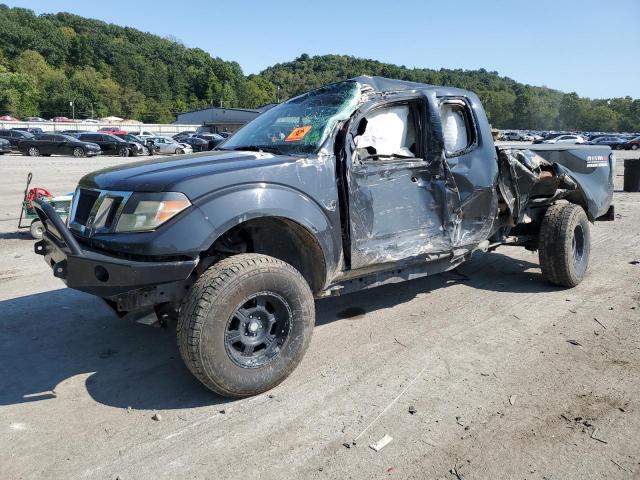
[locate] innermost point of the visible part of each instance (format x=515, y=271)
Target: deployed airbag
x=389, y=131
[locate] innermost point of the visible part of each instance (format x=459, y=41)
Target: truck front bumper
x=95, y=272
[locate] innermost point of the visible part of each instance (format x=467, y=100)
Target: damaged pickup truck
x=350, y=186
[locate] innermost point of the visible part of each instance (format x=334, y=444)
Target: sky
x=590, y=47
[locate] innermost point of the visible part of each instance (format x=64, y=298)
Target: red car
x=8, y=118
x=112, y=131
x=62, y=120
x=633, y=144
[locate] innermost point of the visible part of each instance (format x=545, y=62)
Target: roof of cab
x=383, y=84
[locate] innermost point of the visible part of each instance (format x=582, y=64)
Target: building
x=221, y=119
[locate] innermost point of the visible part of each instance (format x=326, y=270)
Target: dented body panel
x=432, y=201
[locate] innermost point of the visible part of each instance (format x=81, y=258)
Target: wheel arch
x=279, y=237
x=274, y=220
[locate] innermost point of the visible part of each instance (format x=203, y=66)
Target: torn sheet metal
x=591, y=167
x=520, y=171
x=581, y=173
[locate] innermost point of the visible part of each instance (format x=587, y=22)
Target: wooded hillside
x=46, y=61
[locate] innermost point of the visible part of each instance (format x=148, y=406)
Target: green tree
x=18, y=94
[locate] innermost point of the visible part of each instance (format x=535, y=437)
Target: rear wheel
x=78, y=152
x=564, y=245
x=246, y=324
x=36, y=229
x=34, y=151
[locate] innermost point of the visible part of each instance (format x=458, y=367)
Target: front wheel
x=123, y=152
x=246, y=324
x=179, y=151
x=78, y=152
x=634, y=147
x=34, y=152
x=564, y=244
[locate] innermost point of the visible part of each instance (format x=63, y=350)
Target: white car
x=535, y=136
x=566, y=139
x=144, y=134
x=167, y=145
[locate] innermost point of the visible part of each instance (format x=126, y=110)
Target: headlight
x=147, y=211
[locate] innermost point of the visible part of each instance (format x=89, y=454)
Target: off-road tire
x=564, y=244
x=36, y=229
x=209, y=307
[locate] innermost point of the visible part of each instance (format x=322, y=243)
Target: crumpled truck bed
x=582, y=174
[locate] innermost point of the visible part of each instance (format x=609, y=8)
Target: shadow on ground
x=22, y=235
x=50, y=337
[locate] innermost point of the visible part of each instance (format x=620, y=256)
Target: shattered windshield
x=299, y=125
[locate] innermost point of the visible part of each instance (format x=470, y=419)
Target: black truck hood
x=161, y=175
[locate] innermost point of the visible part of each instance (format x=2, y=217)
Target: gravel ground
x=508, y=377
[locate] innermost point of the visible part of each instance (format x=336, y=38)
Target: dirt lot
x=510, y=378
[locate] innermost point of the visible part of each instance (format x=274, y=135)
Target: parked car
x=47, y=144
x=90, y=120
x=113, y=131
x=365, y=188
x=197, y=144
x=144, y=134
x=34, y=130
x=212, y=129
x=62, y=120
x=167, y=145
x=549, y=136
x=616, y=143
x=633, y=144
x=535, y=136
x=14, y=137
x=212, y=138
x=5, y=146
x=138, y=145
x=36, y=119
x=184, y=134
x=511, y=136
x=8, y=118
x=74, y=132
x=109, y=144
x=572, y=139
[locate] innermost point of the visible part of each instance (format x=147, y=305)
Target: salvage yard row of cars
x=617, y=141
x=110, y=141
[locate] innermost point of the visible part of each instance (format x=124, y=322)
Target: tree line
x=47, y=61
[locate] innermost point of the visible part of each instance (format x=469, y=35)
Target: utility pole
x=278, y=94
x=73, y=110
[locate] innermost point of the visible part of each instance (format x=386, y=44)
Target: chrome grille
x=96, y=211
x=86, y=200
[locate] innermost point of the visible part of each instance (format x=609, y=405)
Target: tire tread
x=555, y=244
x=195, y=309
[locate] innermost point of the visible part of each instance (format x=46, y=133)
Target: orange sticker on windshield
x=298, y=134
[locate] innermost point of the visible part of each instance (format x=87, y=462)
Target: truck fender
x=232, y=206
